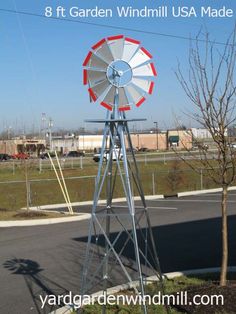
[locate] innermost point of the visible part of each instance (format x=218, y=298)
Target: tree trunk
x=224, y=262
x=27, y=185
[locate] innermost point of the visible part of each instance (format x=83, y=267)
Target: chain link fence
x=16, y=194
x=41, y=165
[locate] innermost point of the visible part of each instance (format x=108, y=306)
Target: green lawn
x=157, y=178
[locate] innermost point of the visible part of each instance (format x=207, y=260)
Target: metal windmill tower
x=121, y=246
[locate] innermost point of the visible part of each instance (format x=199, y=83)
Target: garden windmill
x=118, y=72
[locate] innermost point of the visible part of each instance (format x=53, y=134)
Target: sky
x=41, y=60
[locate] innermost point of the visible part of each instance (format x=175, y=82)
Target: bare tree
x=175, y=176
x=210, y=85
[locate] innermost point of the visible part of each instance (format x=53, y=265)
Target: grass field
x=157, y=177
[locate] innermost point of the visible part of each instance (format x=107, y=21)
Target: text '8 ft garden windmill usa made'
x=121, y=247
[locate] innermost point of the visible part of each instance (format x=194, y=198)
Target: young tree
x=210, y=85
x=175, y=176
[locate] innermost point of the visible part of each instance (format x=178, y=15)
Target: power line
x=114, y=27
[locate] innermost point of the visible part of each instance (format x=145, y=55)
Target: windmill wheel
x=118, y=70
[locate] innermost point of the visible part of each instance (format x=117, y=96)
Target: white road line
x=149, y=207
x=198, y=201
x=162, y=199
x=212, y=194
x=174, y=208
x=218, y=195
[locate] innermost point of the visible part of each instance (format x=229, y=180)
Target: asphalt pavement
x=41, y=260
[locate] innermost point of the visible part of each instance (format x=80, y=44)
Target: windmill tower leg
x=109, y=255
x=131, y=208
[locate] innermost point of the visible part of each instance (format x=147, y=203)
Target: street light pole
x=156, y=124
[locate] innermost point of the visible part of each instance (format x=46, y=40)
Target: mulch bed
x=30, y=214
x=210, y=289
x=3, y=209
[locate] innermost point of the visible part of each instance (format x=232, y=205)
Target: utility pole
x=9, y=128
x=156, y=127
x=83, y=130
x=50, y=125
x=43, y=128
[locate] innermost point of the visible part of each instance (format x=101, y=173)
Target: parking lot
x=48, y=259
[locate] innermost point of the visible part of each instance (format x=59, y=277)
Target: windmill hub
x=119, y=73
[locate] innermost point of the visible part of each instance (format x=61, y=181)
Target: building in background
x=151, y=141
x=34, y=147
x=232, y=132
x=179, y=139
x=90, y=142
x=140, y=141
x=200, y=133
x=83, y=142
x=64, y=144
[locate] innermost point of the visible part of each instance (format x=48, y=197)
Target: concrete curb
x=198, y=192
x=136, y=198
x=51, y=208
x=67, y=309
x=41, y=222
x=100, y=202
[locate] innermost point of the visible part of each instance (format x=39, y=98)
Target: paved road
x=48, y=259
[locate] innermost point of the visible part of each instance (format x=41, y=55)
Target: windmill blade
x=123, y=100
x=124, y=108
x=94, y=77
x=141, y=56
x=94, y=61
x=116, y=44
x=97, y=90
x=135, y=94
x=145, y=70
x=109, y=100
x=130, y=47
x=102, y=50
x=145, y=85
